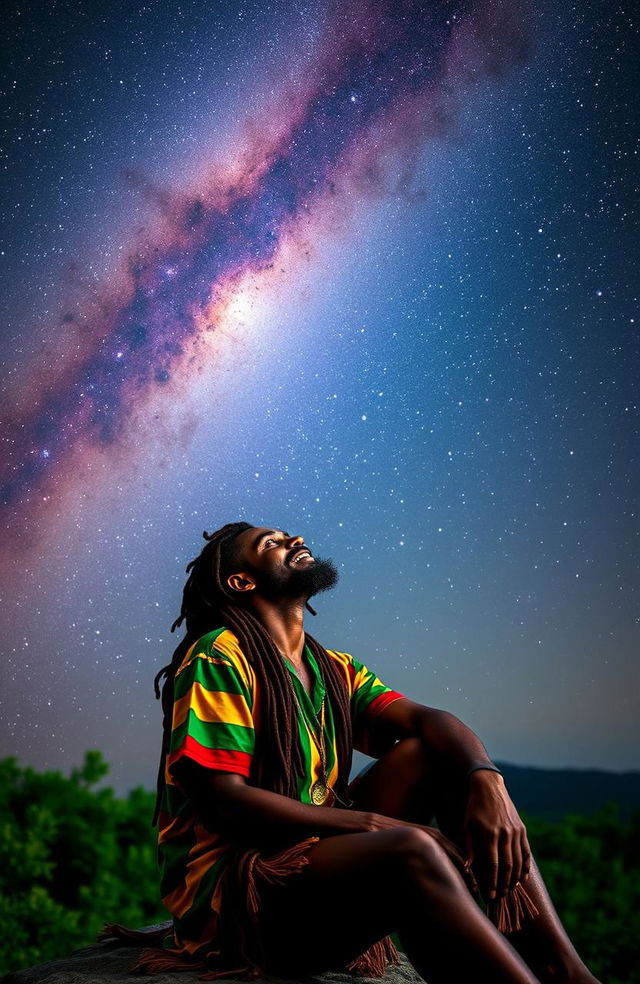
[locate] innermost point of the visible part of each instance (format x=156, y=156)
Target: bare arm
x=442, y=732
x=247, y=812
x=243, y=808
x=493, y=831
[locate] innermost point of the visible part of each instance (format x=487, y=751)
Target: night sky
x=360, y=271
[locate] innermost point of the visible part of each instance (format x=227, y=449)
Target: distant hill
x=552, y=793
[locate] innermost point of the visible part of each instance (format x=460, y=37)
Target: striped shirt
x=216, y=713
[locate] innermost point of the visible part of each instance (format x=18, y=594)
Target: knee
x=417, y=855
x=410, y=757
x=411, y=751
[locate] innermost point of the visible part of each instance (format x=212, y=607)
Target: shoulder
x=219, y=647
x=343, y=659
x=346, y=665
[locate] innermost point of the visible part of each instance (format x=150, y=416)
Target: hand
x=495, y=837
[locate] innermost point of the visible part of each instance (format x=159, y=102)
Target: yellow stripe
x=315, y=770
x=175, y=828
x=181, y=899
x=342, y=659
x=227, y=643
x=364, y=675
x=212, y=706
x=314, y=761
x=209, y=932
x=333, y=775
x=229, y=648
x=221, y=661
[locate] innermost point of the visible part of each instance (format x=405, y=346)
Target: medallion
x=319, y=792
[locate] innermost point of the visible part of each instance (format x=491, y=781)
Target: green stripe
x=173, y=856
x=308, y=715
x=194, y=920
x=303, y=781
x=207, y=641
x=213, y=734
x=369, y=688
x=330, y=738
x=311, y=708
x=363, y=697
x=174, y=802
x=212, y=676
x=227, y=678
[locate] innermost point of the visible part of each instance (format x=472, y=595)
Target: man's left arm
x=495, y=837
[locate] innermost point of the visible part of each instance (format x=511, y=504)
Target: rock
x=106, y=963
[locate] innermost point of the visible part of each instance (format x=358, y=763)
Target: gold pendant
x=319, y=793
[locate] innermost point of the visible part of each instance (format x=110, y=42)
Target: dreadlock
x=208, y=603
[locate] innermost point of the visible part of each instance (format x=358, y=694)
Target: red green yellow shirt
x=216, y=713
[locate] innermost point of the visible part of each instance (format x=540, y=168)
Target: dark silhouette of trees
x=73, y=856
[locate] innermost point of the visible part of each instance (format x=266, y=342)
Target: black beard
x=303, y=582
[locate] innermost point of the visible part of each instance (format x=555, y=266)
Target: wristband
x=489, y=768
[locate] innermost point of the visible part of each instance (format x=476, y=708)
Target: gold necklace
x=320, y=788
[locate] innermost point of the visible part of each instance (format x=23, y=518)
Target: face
x=277, y=565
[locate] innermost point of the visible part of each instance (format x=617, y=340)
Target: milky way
x=380, y=83
x=365, y=272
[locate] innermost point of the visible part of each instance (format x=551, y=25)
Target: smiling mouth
x=301, y=556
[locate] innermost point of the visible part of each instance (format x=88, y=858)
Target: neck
x=284, y=621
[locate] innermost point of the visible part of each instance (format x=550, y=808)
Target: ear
x=241, y=582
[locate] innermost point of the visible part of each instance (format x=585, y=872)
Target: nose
x=295, y=541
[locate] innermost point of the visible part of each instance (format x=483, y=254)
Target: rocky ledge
x=106, y=963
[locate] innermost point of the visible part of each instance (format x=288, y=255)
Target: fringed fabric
x=153, y=958
x=239, y=924
x=509, y=912
x=374, y=961
x=242, y=954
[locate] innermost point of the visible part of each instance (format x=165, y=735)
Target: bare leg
x=406, y=784
x=357, y=888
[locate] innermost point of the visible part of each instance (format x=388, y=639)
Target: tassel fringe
x=509, y=912
x=158, y=961
x=239, y=925
x=374, y=961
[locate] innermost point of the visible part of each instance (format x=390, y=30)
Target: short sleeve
x=369, y=696
x=212, y=714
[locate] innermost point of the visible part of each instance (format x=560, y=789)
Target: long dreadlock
x=208, y=603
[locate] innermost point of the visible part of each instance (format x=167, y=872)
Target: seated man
x=271, y=860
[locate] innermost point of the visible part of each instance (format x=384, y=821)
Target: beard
x=321, y=575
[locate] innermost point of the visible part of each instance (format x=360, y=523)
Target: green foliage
x=591, y=866
x=71, y=858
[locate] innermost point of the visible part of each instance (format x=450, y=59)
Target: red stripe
x=381, y=701
x=223, y=759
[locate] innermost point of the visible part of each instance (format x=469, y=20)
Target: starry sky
x=364, y=271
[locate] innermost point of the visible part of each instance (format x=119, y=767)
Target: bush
x=591, y=866
x=71, y=858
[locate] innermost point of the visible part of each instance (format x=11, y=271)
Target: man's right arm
x=246, y=809
x=248, y=813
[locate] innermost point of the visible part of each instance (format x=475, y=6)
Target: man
x=270, y=859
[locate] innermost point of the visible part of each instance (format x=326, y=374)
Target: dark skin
x=379, y=868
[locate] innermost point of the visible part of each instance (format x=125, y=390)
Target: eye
x=269, y=540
